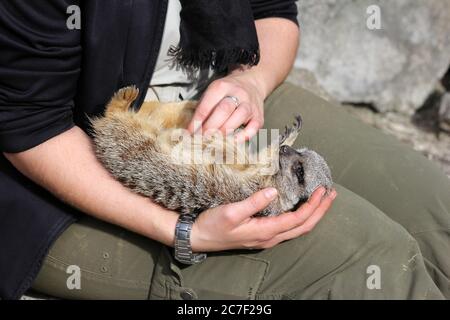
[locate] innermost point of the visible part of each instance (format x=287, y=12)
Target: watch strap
x=183, y=248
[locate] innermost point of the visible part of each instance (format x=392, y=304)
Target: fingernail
x=323, y=191
x=320, y=189
x=251, y=132
x=333, y=194
x=270, y=193
x=196, y=126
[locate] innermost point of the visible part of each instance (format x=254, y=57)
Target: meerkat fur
x=138, y=148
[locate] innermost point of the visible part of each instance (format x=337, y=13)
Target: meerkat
x=139, y=149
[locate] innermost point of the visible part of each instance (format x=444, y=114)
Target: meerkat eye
x=299, y=172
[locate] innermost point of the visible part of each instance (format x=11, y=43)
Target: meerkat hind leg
x=122, y=100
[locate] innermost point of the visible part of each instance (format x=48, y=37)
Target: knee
x=355, y=227
x=338, y=257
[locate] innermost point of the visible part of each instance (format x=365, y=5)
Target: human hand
x=216, y=111
x=233, y=226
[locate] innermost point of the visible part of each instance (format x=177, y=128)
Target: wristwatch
x=183, y=249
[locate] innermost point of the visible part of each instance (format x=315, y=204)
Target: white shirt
x=169, y=82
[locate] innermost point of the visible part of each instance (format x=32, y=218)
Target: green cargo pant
x=387, y=235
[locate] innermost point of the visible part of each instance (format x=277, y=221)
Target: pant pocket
x=220, y=276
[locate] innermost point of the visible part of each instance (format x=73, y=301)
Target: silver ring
x=235, y=100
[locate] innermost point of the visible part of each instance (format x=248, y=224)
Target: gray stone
x=444, y=112
x=308, y=81
x=446, y=81
x=393, y=68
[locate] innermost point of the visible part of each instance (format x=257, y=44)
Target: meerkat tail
x=122, y=100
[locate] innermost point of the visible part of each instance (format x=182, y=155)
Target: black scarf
x=216, y=34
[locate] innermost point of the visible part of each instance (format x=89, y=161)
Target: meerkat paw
x=122, y=99
x=129, y=94
x=290, y=133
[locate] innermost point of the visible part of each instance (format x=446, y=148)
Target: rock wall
x=393, y=68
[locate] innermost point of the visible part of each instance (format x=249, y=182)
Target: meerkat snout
x=301, y=172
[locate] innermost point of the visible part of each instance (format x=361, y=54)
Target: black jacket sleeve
x=39, y=67
x=275, y=8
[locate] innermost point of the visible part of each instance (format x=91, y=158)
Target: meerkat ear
x=290, y=134
x=122, y=100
